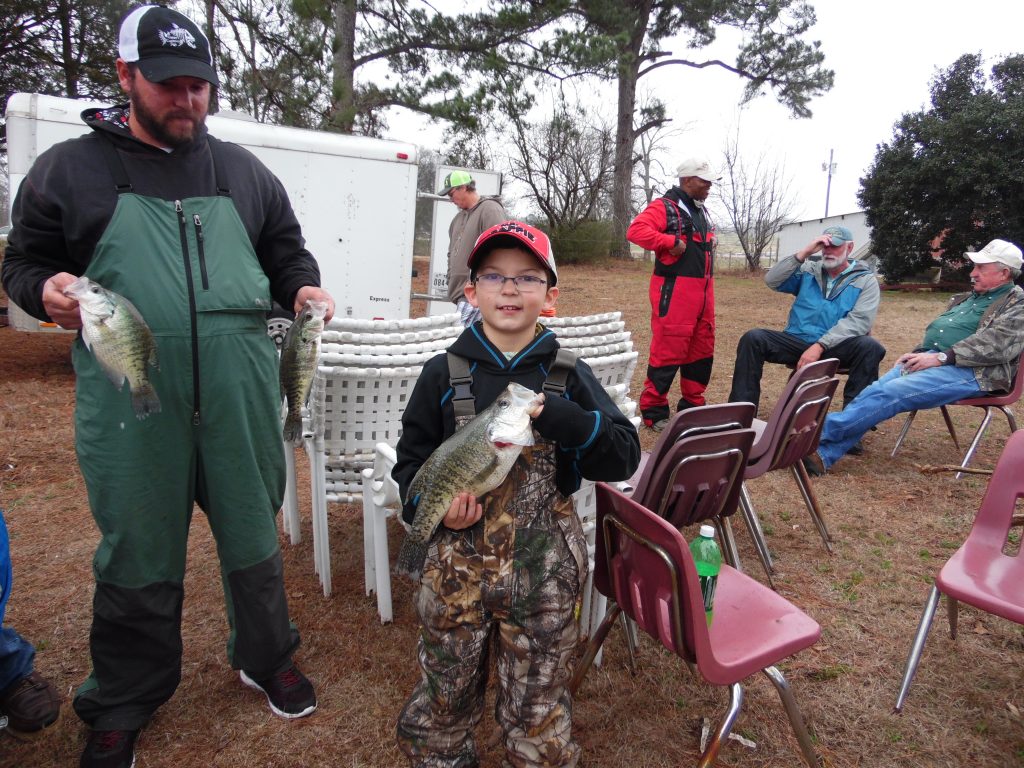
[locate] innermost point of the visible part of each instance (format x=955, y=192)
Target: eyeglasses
x=492, y=281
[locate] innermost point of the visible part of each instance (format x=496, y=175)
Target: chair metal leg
x=903, y=432
x=592, y=647
x=722, y=733
x=598, y=609
x=796, y=719
x=754, y=526
x=952, y=612
x=977, y=440
x=629, y=630
x=949, y=426
x=803, y=481
x=728, y=539
x=918, y=646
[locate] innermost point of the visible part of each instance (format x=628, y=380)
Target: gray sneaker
x=659, y=425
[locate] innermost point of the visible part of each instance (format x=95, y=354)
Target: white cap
x=997, y=252
x=707, y=531
x=698, y=166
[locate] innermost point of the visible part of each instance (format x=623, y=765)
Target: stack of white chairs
x=608, y=350
x=364, y=378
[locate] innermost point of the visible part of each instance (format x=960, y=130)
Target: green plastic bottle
x=708, y=559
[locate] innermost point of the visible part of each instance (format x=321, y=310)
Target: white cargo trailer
x=354, y=196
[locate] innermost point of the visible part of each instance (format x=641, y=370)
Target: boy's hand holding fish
x=464, y=511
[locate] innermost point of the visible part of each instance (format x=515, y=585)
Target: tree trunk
x=343, y=112
x=622, y=174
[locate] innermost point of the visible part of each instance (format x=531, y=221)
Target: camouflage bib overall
x=513, y=580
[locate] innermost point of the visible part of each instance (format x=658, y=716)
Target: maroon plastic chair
x=696, y=480
x=644, y=564
x=791, y=432
x=989, y=403
x=979, y=573
x=693, y=421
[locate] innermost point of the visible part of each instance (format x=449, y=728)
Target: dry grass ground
x=893, y=526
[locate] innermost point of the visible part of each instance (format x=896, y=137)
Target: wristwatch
x=942, y=357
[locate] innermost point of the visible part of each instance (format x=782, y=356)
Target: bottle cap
x=707, y=531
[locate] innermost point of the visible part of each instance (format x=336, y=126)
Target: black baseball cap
x=165, y=44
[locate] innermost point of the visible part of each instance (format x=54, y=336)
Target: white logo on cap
x=177, y=37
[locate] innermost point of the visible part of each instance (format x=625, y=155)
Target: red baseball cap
x=515, y=233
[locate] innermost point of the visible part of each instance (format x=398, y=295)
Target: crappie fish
x=476, y=459
x=299, y=355
x=113, y=329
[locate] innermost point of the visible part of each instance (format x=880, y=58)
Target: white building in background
x=793, y=237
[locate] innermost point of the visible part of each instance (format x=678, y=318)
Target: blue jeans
x=893, y=393
x=15, y=651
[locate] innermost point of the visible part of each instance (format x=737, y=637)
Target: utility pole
x=831, y=168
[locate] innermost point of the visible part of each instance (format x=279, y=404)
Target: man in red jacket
x=682, y=293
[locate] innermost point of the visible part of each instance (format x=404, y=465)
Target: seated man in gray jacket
x=835, y=307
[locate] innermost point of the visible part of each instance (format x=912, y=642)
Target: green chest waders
x=190, y=269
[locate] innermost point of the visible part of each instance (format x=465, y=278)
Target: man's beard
x=830, y=262
x=158, y=130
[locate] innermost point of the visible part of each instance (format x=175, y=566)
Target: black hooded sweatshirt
x=594, y=439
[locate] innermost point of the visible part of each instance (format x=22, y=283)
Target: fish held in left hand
x=114, y=330
x=299, y=355
x=476, y=459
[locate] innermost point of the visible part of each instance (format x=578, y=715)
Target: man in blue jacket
x=835, y=307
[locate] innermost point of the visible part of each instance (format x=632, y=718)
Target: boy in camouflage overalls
x=505, y=570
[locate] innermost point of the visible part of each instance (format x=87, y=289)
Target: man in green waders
x=200, y=237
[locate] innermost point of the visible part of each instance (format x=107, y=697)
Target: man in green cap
x=476, y=215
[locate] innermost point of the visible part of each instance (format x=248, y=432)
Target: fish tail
x=411, y=557
x=144, y=400
x=292, y=427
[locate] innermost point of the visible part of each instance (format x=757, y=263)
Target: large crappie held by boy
x=476, y=459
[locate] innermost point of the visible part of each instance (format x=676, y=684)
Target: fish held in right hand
x=115, y=332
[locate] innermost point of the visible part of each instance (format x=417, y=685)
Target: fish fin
x=144, y=400
x=116, y=377
x=411, y=557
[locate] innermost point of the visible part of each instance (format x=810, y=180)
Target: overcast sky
x=884, y=54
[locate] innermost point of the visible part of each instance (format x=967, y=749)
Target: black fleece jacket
x=594, y=440
x=68, y=198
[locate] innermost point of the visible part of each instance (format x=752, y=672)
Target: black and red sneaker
x=109, y=749
x=289, y=693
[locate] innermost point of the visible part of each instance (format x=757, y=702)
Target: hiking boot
x=814, y=465
x=109, y=749
x=289, y=693
x=30, y=705
x=857, y=449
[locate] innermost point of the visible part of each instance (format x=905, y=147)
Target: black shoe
x=109, y=749
x=857, y=449
x=814, y=465
x=289, y=693
x=30, y=705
